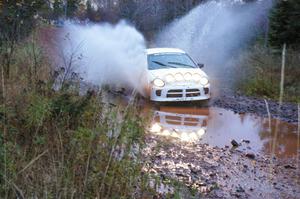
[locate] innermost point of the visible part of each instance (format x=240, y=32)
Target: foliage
x=57, y=9
x=71, y=7
x=128, y=9
x=16, y=22
x=285, y=24
x=37, y=111
x=260, y=70
x=16, y=18
x=90, y=13
x=61, y=144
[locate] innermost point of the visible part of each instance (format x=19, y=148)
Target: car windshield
x=169, y=60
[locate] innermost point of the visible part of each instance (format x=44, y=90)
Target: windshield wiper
x=162, y=64
x=159, y=63
x=180, y=64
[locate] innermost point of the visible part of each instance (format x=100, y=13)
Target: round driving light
x=170, y=78
x=196, y=77
x=178, y=77
x=193, y=136
x=184, y=137
x=201, y=132
x=174, y=135
x=188, y=76
x=203, y=81
x=158, y=83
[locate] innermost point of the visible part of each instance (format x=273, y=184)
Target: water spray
x=112, y=55
x=214, y=34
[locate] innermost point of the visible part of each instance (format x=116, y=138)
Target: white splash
x=214, y=32
x=110, y=54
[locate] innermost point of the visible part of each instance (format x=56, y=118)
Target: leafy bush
x=285, y=24
x=58, y=143
x=260, y=73
x=38, y=110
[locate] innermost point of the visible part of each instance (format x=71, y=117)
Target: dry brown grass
x=59, y=144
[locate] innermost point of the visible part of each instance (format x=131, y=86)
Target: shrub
x=260, y=73
x=62, y=144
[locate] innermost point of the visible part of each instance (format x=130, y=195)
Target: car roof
x=150, y=51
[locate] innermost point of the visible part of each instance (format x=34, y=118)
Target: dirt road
x=212, y=172
x=243, y=104
x=229, y=152
x=217, y=153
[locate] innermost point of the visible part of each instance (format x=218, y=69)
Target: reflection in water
x=218, y=127
x=184, y=124
x=287, y=140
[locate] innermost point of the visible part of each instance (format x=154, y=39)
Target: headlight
x=203, y=81
x=193, y=136
x=197, y=77
x=158, y=83
x=179, y=77
x=174, y=135
x=170, y=78
x=188, y=76
x=184, y=137
x=201, y=132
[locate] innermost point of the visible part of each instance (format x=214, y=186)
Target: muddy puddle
x=188, y=153
x=218, y=127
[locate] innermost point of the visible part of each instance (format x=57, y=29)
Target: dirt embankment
x=243, y=104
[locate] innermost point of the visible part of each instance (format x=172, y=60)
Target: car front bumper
x=178, y=93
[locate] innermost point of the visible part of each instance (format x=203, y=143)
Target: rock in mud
x=246, y=141
x=236, y=175
x=240, y=189
x=289, y=167
x=250, y=155
x=234, y=143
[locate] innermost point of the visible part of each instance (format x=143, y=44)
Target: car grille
x=177, y=120
x=158, y=93
x=175, y=93
x=206, y=91
x=192, y=92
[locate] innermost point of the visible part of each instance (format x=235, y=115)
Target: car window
x=169, y=60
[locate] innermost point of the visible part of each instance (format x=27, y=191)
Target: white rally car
x=174, y=76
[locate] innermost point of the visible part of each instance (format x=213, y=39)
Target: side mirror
x=200, y=65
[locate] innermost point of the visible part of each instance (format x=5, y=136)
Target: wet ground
x=239, y=103
x=219, y=153
x=219, y=127
x=211, y=172
x=212, y=152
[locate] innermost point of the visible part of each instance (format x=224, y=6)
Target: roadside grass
x=56, y=143
x=259, y=71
